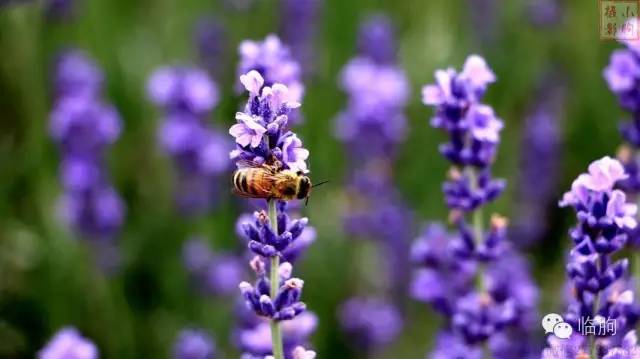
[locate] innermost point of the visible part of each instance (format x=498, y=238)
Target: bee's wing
x=246, y=195
x=253, y=164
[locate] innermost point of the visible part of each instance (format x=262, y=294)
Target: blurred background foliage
x=48, y=279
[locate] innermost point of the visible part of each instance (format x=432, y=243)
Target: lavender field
x=308, y=179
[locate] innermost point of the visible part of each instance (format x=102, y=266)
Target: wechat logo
x=553, y=323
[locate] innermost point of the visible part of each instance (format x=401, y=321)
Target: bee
x=271, y=182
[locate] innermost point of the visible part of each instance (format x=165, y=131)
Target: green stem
x=276, y=333
x=478, y=230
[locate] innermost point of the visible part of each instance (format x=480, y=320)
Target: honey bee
x=271, y=182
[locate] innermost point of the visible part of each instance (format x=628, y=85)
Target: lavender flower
x=484, y=18
x=211, y=43
x=286, y=304
x=623, y=77
x=83, y=127
x=275, y=64
x=261, y=132
x=68, y=344
x=598, y=280
x=194, y=344
x=540, y=153
x=502, y=303
x=253, y=337
x=545, y=13
x=372, y=322
x=262, y=135
x=450, y=346
x=187, y=96
x=298, y=23
x=60, y=9
x=473, y=131
x=372, y=127
x=294, y=235
x=216, y=274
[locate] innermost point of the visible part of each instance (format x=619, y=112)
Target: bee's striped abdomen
x=252, y=182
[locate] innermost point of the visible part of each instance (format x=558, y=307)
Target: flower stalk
x=263, y=137
x=451, y=263
x=276, y=333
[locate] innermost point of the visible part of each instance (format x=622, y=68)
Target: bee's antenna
x=306, y=202
x=319, y=184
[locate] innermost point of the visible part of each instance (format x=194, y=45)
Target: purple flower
x=286, y=305
x=194, y=344
x=373, y=86
x=97, y=213
x=77, y=76
x=545, y=13
x=293, y=154
x=476, y=317
x=443, y=276
x=450, y=346
x=594, y=189
x=83, y=124
x=461, y=89
x=371, y=322
x=484, y=125
x=262, y=129
x=571, y=348
x=264, y=242
x=628, y=348
x=213, y=273
x=298, y=27
x=376, y=40
x=187, y=95
x=211, y=42
x=598, y=280
x=255, y=337
x=623, y=77
x=540, y=152
x=68, y=344
x=371, y=127
x=500, y=304
x=472, y=127
x=187, y=89
x=83, y=127
x=248, y=131
x=263, y=136
x=273, y=61
x=622, y=72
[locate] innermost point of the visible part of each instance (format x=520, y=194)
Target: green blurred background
x=48, y=279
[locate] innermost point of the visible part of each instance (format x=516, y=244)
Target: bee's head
x=304, y=186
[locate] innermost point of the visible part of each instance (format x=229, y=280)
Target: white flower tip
x=293, y=104
x=476, y=69
x=285, y=269
x=244, y=286
x=265, y=299
x=252, y=81
x=301, y=353
x=294, y=283
x=431, y=95
x=625, y=297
